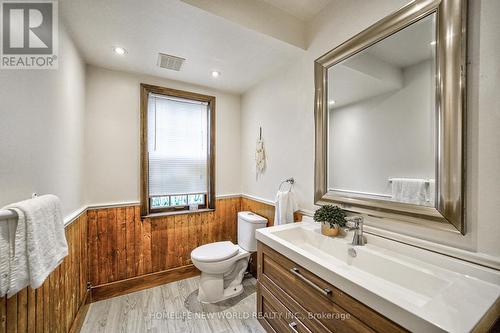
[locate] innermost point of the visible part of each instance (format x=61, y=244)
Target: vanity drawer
x=332, y=308
x=325, y=311
x=302, y=314
x=276, y=315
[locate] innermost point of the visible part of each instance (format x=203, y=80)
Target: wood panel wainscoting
x=59, y=305
x=127, y=253
x=114, y=251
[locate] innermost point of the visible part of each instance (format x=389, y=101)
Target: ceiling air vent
x=170, y=62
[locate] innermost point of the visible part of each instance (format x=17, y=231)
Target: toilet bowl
x=223, y=264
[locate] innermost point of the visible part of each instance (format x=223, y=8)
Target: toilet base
x=226, y=294
x=215, y=288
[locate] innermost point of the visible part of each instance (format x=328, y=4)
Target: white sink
x=407, y=278
x=421, y=290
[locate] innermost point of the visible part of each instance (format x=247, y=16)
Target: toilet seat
x=214, y=252
x=223, y=264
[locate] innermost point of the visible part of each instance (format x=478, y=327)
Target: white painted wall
x=43, y=129
x=41, y=132
x=386, y=136
x=484, y=123
x=112, y=157
x=283, y=106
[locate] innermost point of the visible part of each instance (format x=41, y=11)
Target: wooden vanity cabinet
x=292, y=299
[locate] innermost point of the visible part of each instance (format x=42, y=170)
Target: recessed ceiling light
x=332, y=102
x=433, y=42
x=215, y=74
x=119, y=50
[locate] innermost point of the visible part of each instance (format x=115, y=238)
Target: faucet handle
x=357, y=222
x=353, y=222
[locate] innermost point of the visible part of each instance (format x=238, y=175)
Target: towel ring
x=289, y=181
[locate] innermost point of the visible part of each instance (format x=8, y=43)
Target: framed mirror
x=390, y=118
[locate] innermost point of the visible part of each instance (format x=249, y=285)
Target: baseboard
x=77, y=324
x=142, y=282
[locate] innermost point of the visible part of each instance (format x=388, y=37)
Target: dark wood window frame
x=146, y=89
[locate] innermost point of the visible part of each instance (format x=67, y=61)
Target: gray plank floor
x=174, y=307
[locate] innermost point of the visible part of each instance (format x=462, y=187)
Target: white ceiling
x=409, y=46
x=378, y=69
x=144, y=28
x=302, y=9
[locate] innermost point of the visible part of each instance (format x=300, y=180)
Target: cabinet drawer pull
x=324, y=291
x=293, y=326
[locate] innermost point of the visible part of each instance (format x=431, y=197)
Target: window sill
x=179, y=212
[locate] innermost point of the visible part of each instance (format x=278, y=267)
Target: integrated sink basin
x=421, y=290
x=404, y=278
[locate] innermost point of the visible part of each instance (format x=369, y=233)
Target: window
x=177, y=150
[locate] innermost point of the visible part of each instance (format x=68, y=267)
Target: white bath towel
x=408, y=190
x=7, y=230
x=285, y=206
x=39, y=242
x=432, y=192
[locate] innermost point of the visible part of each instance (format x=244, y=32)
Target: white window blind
x=177, y=145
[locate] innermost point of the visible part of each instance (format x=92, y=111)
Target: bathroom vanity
x=308, y=282
x=308, y=303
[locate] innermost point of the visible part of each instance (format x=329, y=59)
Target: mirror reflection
x=382, y=119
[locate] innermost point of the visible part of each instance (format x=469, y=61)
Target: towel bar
x=426, y=181
x=7, y=214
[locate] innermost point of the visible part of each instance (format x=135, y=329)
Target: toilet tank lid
x=252, y=217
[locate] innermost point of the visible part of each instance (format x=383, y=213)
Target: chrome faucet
x=356, y=223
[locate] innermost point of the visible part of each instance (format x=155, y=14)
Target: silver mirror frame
x=451, y=23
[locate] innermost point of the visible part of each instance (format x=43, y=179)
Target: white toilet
x=223, y=264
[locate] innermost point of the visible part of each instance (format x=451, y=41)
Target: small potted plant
x=332, y=218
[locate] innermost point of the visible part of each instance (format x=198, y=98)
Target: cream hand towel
x=408, y=190
x=40, y=242
x=285, y=206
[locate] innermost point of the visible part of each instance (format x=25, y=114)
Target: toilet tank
x=248, y=222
